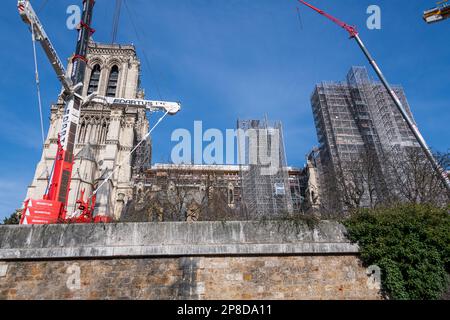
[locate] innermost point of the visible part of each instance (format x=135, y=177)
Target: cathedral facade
x=106, y=134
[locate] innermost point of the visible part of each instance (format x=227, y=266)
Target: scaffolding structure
x=142, y=157
x=263, y=194
x=358, y=117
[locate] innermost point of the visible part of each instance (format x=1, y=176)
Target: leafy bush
x=411, y=245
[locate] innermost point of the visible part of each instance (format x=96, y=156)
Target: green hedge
x=411, y=245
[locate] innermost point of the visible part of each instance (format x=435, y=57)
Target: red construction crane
x=52, y=208
x=355, y=35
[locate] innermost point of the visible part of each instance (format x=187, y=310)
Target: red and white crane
x=52, y=208
x=355, y=35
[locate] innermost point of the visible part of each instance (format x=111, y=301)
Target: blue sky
x=225, y=60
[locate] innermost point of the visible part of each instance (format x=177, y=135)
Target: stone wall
x=210, y=260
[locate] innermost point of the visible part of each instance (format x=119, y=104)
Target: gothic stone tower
x=105, y=134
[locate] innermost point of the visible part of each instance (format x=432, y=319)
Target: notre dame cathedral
x=105, y=135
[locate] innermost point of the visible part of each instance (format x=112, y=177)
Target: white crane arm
x=167, y=106
x=28, y=15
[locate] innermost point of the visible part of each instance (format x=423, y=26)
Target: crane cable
x=129, y=154
x=42, y=6
x=38, y=87
x=116, y=20
x=299, y=18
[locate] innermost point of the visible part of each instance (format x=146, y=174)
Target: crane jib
x=29, y=17
x=136, y=102
x=151, y=105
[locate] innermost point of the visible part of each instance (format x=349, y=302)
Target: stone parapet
x=171, y=239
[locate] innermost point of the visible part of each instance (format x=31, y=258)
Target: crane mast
x=60, y=184
x=355, y=35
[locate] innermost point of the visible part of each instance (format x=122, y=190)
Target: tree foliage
x=13, y=218
x=411, y=245
x=373, y=180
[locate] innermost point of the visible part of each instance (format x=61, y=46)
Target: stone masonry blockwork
x=249, y=277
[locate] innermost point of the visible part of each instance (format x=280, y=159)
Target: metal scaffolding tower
x=263, y=194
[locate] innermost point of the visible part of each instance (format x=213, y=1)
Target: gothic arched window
x=82, y=132
x=112, y=82
x=95, y=79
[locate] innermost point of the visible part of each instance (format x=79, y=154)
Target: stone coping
x=122, y=240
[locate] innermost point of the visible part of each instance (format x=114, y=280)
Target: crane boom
x=28, y=15
x=354, y=34
x=151, y=105
x=350, y=29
